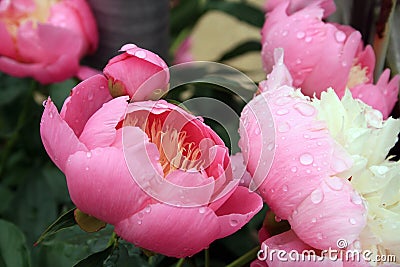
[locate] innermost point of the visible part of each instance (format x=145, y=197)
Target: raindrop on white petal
x=316, y=196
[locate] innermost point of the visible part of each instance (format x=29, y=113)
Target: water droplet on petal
x=306, y=136
x=308, y=39
x=352, y=221
x=90, y=96
x=344, y=63
x=140, y=215
x=298, y=61
x=305, y=109
x=284, y=33
x=306, y=159
x=285, y=188
x=140, y=54
x=283, y=127
x=88, y=154
x=317, y=196
x=340, y=36
x=257, y=131
x=139, y=222
x=300, y=35
x=233, y=222
x=102, y=87
x=282, y=100
x=270, y=146
x=293, y=169
x=202, y=210
x=51, y=114
x=313, y=220
x=356, y=199
x=147, y=209
x=278, y=219
x=319, y=236
x=87, y=168
x=282, y=111
x=335, y=183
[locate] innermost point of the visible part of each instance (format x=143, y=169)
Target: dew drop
x=257, y=131
x=202, y=210
x=285, y=188
x=344, y=64
x=278, y=219
x=314, y=220
x=140, y=215
x=319, y=236
x=356, y=199
x=283, y=127
x=284, y=33
x=293, y=169
x=233, y=222
x=88, y=154
x=300, y=35
x=335, y=183
x=139, y=222
x=90, y=96
x=306, y=159
x=282, y=111
x=51, y=114
x=147, y=209
x=102, y=87
x=87, y=168
x=282, y=100
x=308, y=39
x=317, y=196
x=140, y=54
x=270, y=146
x=306, y=136
x=352, y=221
x=304, y=109
x=340, y=36
x=298, y=61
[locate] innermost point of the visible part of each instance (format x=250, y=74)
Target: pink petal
x=87, y=20
x=100, y=185
x=333, y=211
x=295, y=5
x=86, y=98
x=151, y=73
x=100, y=129
x=7, y=48
x=237, y=210
x=170, y=230
x=58, y=138
x=288, y=243
x=239, y=170
x=86, y=72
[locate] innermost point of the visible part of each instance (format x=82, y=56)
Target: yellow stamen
x=358, y=75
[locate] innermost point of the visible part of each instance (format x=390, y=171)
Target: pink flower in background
x=183, y=53
x=112, y=152
x=330, y=176
x=302, y=184
x=320, y=55
x=45, y=39
x=129, y=70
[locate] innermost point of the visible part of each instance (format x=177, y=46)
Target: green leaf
x=88, y=223
x=242, y=48
x=240, y=10
x=64, y=221
x=96, y=259
x=5, y=198
x=11, y=88
x=60, y=91
x=185, y=15
x=13, y=250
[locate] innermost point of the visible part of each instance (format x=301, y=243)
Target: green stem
x=245, y=259
x=8, y=147
x=382, y=35
x=180, y=262
x=113, y=241
x=207, y=258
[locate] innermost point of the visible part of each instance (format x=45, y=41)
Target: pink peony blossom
x=129, y=70
x=45, y=39
x=329, y=185
x=320, y=55
x=183, y=53
x=111, y=151
x=302, y=184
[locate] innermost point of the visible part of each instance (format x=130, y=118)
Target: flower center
x=175, y=151
x=16, y=15
x=358, y=75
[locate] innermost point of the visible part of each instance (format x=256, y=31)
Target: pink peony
x=132, y=165
x=129, y=70
x=320, y=55
x=183, y=53
x=302, y=184
x=45, y=39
